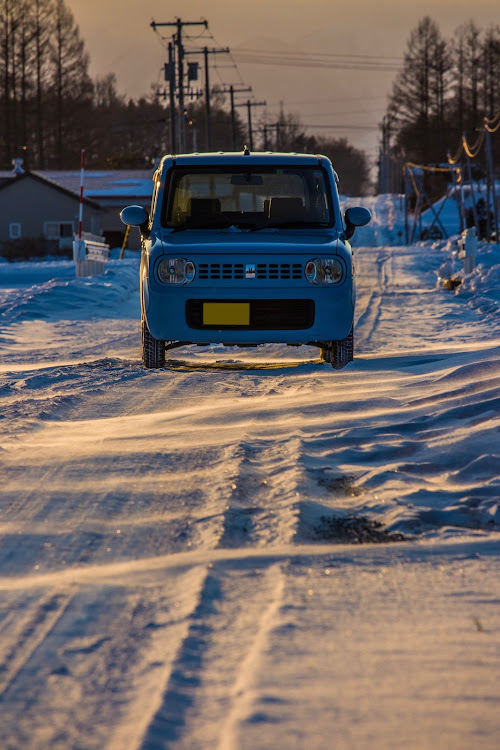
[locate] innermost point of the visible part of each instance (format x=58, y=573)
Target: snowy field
x=248, y=550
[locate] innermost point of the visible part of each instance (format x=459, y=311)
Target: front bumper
x=305, y=314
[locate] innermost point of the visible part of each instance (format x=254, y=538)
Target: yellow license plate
x=226, y=313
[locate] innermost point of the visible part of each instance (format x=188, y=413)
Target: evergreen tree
x=417, y=102
x=491, y=71
x=444, y=90
x=467, y=60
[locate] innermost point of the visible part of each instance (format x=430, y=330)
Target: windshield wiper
x=291, y=225
x=217, y=224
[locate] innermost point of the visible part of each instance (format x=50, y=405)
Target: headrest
x=202, y=207
x=286, y=208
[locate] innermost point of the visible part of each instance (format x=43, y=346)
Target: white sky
x=119, y=39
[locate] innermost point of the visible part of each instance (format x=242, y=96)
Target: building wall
x=112, y=190
x=114, y=228
x=31, y=203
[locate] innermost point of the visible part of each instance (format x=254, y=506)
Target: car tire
x=153, y=350
x=339, y=353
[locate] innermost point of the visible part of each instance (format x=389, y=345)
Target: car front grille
x=262, y=271
x=265, y=314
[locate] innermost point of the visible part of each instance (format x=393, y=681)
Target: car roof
x=240, y=158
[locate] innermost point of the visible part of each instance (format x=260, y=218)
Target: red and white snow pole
x=82, y=174
x=90, y=255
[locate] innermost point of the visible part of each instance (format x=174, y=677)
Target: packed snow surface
x=246, y=549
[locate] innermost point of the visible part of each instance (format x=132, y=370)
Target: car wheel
x=153, y=350
x=339, y=353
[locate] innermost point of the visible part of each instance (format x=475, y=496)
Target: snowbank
x=51, y=291
x=481, y=288
x=387, y=226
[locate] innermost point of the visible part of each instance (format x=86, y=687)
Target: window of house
x=55, y=230
x=95, y=225
x=14, y=230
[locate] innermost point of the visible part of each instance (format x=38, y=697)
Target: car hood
x=240, y=242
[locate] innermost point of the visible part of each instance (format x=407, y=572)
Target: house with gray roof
x=46, y=205
x=112, y=190
x=35, y=208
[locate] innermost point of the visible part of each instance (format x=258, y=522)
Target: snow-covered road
x=176, y=560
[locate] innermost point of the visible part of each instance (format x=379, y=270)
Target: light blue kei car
x=246, y=249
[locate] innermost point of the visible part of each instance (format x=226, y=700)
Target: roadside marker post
x=468, y=249
x=90, y=252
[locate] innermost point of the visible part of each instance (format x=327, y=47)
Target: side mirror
x=357, y=216
x=134, y=216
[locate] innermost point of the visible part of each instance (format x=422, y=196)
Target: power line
x=289, y=59
x=348, y=126
x=336, y=112
x=300, y=63
x=337, y=99
x=241, y=82
x=319, y=60
x=331, y=55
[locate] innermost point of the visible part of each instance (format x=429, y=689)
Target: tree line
x=50, y=107
x=45, y=86
x=445, y=88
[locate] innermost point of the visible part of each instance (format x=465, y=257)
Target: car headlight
x=324, y=271
x=176, y=271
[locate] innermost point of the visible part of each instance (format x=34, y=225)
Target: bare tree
x=42, y=10
x=71, y=88
x=7, y=22
x=24, y=58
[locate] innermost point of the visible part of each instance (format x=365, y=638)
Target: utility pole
x=266, y=134
x=491, y=171
x=232, y=91
x=278, y=135
x=471, y=183
x=407, y=196
x=249, y=104
x=180, y=68
x=386, y=168
x=206, y=52
x=171, y=83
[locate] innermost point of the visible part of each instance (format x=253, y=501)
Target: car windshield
x=248, y=198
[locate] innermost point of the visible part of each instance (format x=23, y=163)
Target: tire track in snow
x=25, y=630
x=197, y=496
x=204, y=487
x=241, y=695
x=210, y=687
x=119, y=640
x=368, y=318
x=86, y=522
x=264, y=508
